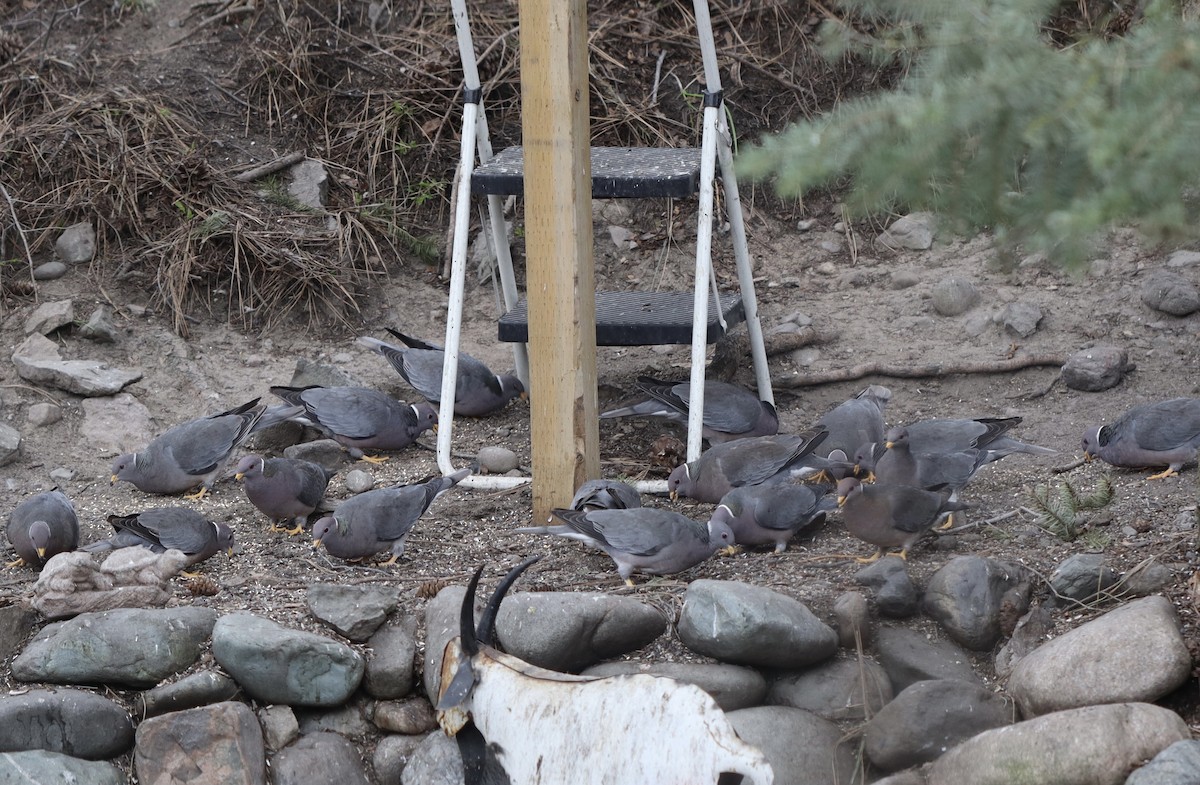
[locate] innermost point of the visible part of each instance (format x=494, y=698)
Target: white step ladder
x=623, y=318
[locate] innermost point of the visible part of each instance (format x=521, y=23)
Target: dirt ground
x=848, y=295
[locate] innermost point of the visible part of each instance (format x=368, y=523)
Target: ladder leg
x=458, y=278
x=741, y=254
x=708, y=156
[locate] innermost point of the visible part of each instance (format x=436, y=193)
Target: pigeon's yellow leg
x=375, y=459
x=629, y=582
x=869, y=559
x=198, y=495
x=903, y=554
x=297, y=529
x=17, y=562
x=1164, y=474
x=730, y=550
x=949, y=524
x=390, y=561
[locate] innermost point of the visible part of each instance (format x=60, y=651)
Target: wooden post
x=558, y=243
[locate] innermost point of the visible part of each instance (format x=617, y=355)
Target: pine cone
x=10, y=46
x=429, y=589
x=203, y=586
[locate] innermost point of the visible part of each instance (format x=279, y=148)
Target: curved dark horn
x=486, y=631
x=466, y=618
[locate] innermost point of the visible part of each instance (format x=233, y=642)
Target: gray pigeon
x=42, y=526
x=361, y=418
x=891, y=516
x=899, y=464
x=729, y=465
x=477, y=390
x=163, y=528
x=381, y=519
x=645, y=539
x=730, y=412
x=855, y=422
x=1163, y=433
x=989, y=434
x=193, y=453
x=284, y=489
x=773, y=513
x=606, y=495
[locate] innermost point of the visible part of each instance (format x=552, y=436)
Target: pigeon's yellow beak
x=112, y=480
x=316, y=544
x=524, y=396
x=889, y=445
x=841, y=501
x=229, y=551
x=239, y=476
x=674, y=495
x=41, y=552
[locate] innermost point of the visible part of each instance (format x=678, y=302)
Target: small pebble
x=49, y=271
x=358, y=481
x=43, y=414
x=497, y=460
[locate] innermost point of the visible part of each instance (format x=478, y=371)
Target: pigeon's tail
x=643, y=409
x=414, y=343
x=275, y=415
x=376, y=344
x=1007, y=446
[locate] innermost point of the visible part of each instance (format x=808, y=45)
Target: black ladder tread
x=637, y=318
x=617, y=172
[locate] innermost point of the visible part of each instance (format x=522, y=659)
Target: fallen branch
x=781, y=343
x=12, y=209
x=271, y=167
x=917, y=371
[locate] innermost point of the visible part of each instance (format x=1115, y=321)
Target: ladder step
x=617, y=172
x=637, y=318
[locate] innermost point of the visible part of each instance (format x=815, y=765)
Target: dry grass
x=376, y=100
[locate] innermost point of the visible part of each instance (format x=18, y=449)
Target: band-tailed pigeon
x=773, y=513
x=606, y=495
x=730, y=412
x=379, y=520
x=1162, y=433
x=192, y=454
x=855, y=422
x=477, y=390
x=361, y=418
x=42, y=526
x=729, y=465
x=643, y=539
x=286, y=490
x=163, y=528
x=989, y=434
x=891, y=516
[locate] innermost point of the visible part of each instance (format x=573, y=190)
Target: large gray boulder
x=1095, y=745
x=802, y=748
x=74, y=722
x=929, y=717
x=751, y=625
x=41, y=767
x=220, y=744
x=568, y=631
x=275, y=664
x=1133, y=653
x=129, y=647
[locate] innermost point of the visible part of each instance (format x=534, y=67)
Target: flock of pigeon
x=891, y=485
x=194, y=455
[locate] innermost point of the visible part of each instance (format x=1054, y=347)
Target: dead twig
x=1068, y=467
x=271, y=167
x=917, y=371
x=12, y=210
